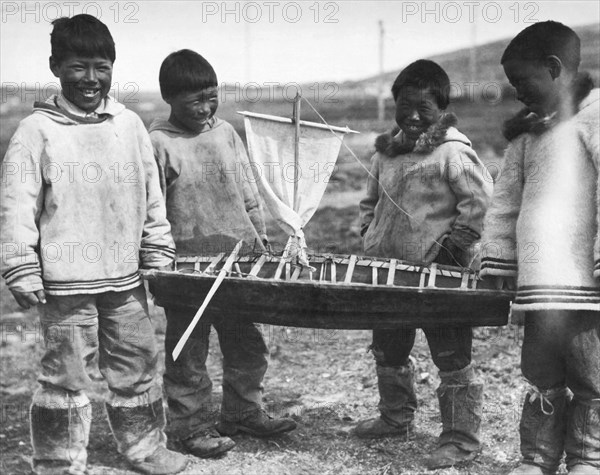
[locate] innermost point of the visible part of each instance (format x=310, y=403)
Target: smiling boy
x=542, y=232
x=74, y=234
x=426, y=199
x=211, y=205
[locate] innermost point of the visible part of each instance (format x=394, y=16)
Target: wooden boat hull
x=368, y=300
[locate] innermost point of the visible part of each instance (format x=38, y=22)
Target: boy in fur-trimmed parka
x=542, y=231
x=427, y=194
x=81, y=210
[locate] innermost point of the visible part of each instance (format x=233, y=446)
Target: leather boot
x=60, y=428
x=259, y=424
x=397, y=404
x=542, y=429
x=582, y=444
x=138, y=430
x=208, y=444
x=460, y=399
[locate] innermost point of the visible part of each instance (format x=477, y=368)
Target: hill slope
x=456, y=63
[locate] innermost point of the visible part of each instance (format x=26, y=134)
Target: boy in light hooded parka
x=542, y=232
x=81, y=212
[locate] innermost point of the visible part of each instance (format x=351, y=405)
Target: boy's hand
x=29, y=299
x=450, y=254
x=168, y=267
x=267, y=244
x=504, y=283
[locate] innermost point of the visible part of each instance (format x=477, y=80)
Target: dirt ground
x=324, y=379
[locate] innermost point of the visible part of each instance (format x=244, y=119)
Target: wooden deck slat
x=333, y=272
x=422, y=278
x=213, y=263
x=279, y=269
x=464, y=282
x=350, y=270
x=374, y=275
x=432, y=275
x=256, y=268
x=391, y=272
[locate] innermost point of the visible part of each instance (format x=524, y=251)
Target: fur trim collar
x=391, y=143
x=526, y=121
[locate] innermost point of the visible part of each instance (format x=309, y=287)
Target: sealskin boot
x=582, y=444
x=542, y=429
x=60, y=427
x=526, y=469
x=580, y=469
x=460, y=399
x=397, y=404
x=161, y=462
x=138, y=431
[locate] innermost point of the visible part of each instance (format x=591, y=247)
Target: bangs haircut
x=424, y=74
x=185, y=71
x=547, y=38
x=81, y=35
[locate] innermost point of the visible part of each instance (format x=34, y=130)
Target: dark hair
x=547, y=38
x=185, y=71
x=83, y=35
x=425, y=74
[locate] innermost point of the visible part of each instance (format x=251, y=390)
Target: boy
x=542, y=230
x=211, y=205
x=432, y=211
x=70, y=226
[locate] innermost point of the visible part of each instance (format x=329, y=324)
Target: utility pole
x=380, y=96
x=247, y=53
x=473, y=52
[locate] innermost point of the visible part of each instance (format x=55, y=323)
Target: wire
x=361, y=164
x=419, y=223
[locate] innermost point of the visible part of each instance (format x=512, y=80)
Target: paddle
x=222, y=273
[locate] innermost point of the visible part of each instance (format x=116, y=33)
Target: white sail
x=291, y=186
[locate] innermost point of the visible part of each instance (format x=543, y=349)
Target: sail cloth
x=291, y=188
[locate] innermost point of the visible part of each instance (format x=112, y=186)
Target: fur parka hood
x=526, y=121
x=442, y=131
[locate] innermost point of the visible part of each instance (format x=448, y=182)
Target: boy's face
x=192, y=110
x=536, y=88
x=84, y=81
x=416, y=110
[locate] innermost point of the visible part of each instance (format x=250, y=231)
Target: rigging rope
x=419, y=223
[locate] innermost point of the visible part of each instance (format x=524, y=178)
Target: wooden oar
x=222, y=273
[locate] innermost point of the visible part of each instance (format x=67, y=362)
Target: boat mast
x=296, y=121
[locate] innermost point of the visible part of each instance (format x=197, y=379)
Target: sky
x=272, y=42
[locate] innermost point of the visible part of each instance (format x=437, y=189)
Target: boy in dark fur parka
x=427, y=195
